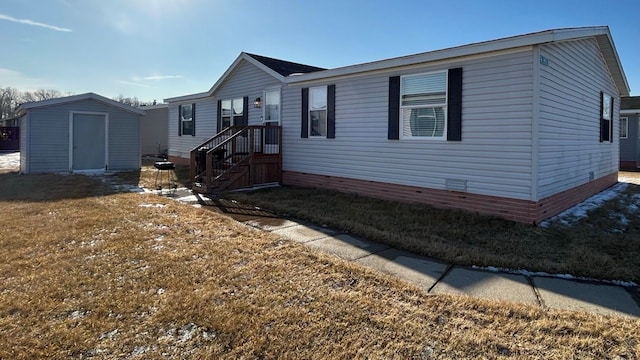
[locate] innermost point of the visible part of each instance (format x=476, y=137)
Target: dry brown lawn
x=603, y=245
x=88, y=273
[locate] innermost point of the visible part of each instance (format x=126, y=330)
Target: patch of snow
x=188, y=199
x=574, y=214
x=140, y=350
x=546, y=274
x=153, y=205
x=10, y=161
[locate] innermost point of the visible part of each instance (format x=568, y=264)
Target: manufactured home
x=520, y=127
x=85, y=132
x=630, y=133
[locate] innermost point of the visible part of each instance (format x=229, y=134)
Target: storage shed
x=79, y=133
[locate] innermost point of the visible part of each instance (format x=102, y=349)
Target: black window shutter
x=454, y=105
x=600, y=116
x=193, y=119
x=331, y=112
x=179, y=120
x=305, y=113
x=611, y=121
x=245, y=111
x=394, y=108
x=219, y=116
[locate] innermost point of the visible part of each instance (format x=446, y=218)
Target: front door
x=89, y=141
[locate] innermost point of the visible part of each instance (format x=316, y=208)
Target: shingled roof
x=284, y=68
x=630, y=103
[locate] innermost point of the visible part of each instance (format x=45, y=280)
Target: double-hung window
x=232, y=112
x=606, y=117
x=423, y=105
x=624, y=127
x=187, y=119
x=318, y=111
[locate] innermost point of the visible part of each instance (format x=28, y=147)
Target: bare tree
x=132, y=101
x=41, y=94
x=10, y=98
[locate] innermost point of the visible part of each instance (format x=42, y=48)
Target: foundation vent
x=455, y=185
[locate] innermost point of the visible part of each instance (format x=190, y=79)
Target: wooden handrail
x=238, y=152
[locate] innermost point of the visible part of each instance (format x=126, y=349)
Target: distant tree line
x=11, y=98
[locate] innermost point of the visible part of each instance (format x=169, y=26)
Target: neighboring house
x=153, y=129
x=520, y=127
x=86, y=132
x=10, y=122
x=630, y=133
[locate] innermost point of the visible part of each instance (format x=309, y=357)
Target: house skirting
x=179, y=160
x=629, y=164
x=524, y=211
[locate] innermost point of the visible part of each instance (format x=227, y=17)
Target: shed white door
x=89, y=141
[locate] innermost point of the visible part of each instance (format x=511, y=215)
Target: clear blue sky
x=155, y=49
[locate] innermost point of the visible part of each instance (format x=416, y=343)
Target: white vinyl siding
x=205, y=126
x=570, y=151
x=246, y=80
x=494, y=156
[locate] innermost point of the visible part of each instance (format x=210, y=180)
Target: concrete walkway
x=437, y=277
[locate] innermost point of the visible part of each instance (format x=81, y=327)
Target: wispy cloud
x=156, y=77
x=24, y=82
x=133, y=83
x=33, y=23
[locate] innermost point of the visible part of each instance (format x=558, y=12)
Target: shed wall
x=493, y=158
x=570, y=151
x=24, y=145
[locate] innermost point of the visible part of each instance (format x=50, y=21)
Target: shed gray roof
x=67, y=99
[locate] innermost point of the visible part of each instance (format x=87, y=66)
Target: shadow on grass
x=602, y=245
x=236, y=210
x=52, y=187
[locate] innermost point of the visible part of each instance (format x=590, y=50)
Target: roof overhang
x=86, y=96
x=600, y=33
x=242, y=57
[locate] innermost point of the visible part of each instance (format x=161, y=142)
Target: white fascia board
x=629, y=111
x=455, y=52
x=151, y=107
x=85, y=96
x=186, y=97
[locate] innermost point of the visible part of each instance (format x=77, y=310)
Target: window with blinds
x=423, y=104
